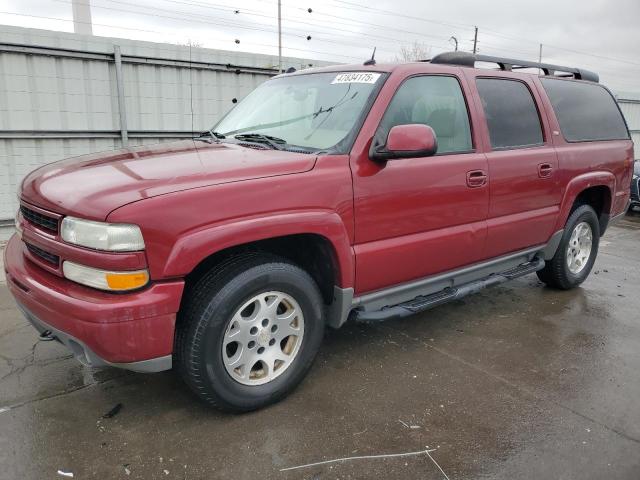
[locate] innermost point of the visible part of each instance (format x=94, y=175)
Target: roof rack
x=465, y=59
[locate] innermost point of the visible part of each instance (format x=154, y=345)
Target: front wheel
x=576, y=253
x=249, y=332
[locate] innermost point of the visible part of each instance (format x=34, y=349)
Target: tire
x=562, y=273
x=225, y=305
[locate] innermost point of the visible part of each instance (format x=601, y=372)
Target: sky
x=600, y=35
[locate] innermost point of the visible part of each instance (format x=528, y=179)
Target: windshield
x=314, y=111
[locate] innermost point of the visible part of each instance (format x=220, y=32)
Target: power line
x=488, y=31
x=377, y=25
x=223, y=23
x=227, y=23
x=412, y=17
x=485, y=31
x=165, y=33
x=354, y=23
x=289, y=19
x=603, y=57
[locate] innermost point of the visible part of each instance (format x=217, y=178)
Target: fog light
x=105, y=280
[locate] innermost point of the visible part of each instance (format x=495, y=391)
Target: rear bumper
x=133, y=331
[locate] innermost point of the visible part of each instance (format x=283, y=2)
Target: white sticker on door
x=356, y=77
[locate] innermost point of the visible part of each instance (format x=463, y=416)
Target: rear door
x=523, y=164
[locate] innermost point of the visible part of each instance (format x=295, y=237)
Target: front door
x=420, y=216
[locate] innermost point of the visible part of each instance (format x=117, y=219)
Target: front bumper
x=133, y=331
x=86, y=356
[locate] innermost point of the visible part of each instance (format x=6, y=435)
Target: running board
x=425, y=302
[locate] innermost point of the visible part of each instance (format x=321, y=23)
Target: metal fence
x=63, y=95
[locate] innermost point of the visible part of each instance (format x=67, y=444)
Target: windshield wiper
x=210, y=134
x=320, y=111
x=330, y=110
x=274, y=142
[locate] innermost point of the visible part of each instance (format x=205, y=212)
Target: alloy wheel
x=263, y=338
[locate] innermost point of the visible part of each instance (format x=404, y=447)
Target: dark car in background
x=635, y=187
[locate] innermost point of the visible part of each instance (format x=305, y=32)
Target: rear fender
x=580, y=184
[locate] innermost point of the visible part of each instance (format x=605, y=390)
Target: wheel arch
x=594, y=189
x=316, y=241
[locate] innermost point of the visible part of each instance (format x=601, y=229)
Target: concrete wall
x=59, y=95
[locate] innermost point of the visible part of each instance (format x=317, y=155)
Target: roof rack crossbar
x=508, y=64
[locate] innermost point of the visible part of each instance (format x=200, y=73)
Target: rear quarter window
x=586, y=111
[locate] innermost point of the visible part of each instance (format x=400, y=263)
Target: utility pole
x=540, y=55
x=82, y=17
x=475, y=41
x=279, y=36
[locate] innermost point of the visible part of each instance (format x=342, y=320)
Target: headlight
x=103, y=279
x=115, y=237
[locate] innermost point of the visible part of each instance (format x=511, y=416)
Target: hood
x=92, y=186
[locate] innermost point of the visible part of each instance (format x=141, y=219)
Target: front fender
x=579, y=184
x=193, y=247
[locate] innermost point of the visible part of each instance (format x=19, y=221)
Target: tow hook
x=46, y=336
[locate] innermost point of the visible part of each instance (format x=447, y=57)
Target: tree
x=411, y=53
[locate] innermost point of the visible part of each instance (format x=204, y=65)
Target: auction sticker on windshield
x=356, y=77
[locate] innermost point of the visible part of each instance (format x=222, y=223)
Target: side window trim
x=545, y=136
x=466, y=104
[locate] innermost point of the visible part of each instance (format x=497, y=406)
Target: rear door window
x=585, y=111
x=511, y=113
x=435, y=101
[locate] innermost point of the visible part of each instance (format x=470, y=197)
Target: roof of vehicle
x=461, y=59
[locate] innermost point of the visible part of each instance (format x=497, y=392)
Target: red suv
x=363, y=191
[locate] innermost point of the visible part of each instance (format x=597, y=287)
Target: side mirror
x=406, y=141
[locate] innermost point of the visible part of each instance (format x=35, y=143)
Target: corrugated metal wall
x=59, y=95
x=631, y=110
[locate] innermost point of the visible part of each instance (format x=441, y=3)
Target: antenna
x=372, y=60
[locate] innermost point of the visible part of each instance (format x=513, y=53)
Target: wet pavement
x=516, y=382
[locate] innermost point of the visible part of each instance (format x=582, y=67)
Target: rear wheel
x=249, y=332
x=576, y=253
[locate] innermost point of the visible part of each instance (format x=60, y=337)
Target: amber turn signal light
x=127, y=280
